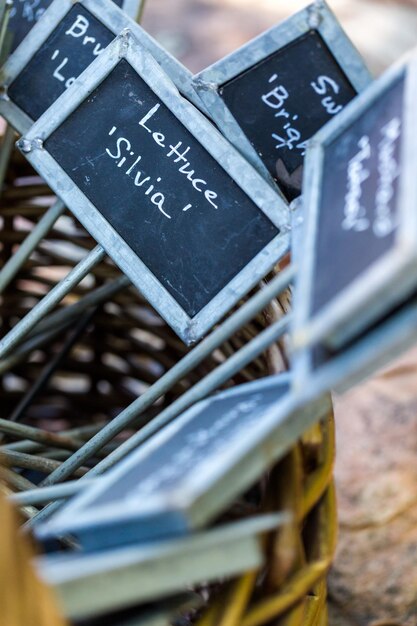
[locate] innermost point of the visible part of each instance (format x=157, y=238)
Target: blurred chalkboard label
x=90, y=585
x=186, y=218
x=187, y=474
x=68, y=38
x=25, y=14
x=360, y=255
x=273, y=94
x=323, y=369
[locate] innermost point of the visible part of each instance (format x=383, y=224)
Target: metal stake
x=50, y=368
x=43, y=495
x=75, y=276
x=38, y=435
x=77, y=434
x=13, y=265
x=29, y=346
x=5, y=152
x=96, y=297
x=27, y=461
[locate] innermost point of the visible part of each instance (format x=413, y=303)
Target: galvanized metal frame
x=316, y=16
x=356, y=363
x=126, y=47
x=390, y=279
x=113, y=18
x=133, y=8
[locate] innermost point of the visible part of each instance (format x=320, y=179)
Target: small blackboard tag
x=360, y=254
x=69, y=36
x=26, y=13
x=89, y=585
x=186, y=218
x=273, y=94
x=192, y=470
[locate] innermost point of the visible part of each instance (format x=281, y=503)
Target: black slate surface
x=25, y=14
x=207, y=436
x=358, y=206
x=282, y=101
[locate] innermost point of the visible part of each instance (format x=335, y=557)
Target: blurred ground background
x=374, y=580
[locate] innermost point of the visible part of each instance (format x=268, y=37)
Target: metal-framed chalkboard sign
x=69, y=36
x=26, y=13
x=93, y=585
x=184, y=476
x=273, y=94
x=360, y=255
x=184, y=216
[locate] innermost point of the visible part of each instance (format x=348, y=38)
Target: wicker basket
x=75, y=376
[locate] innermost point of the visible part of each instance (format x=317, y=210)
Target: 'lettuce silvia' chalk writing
x=128, y=159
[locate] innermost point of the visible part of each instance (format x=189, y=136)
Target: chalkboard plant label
x=69, y=36
x=89, y=585
x=360, y=255
x=192, y=470
x=273, y=94
x=185, y=217
x=26, y=13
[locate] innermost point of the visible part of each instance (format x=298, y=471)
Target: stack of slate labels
x=169, y=428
